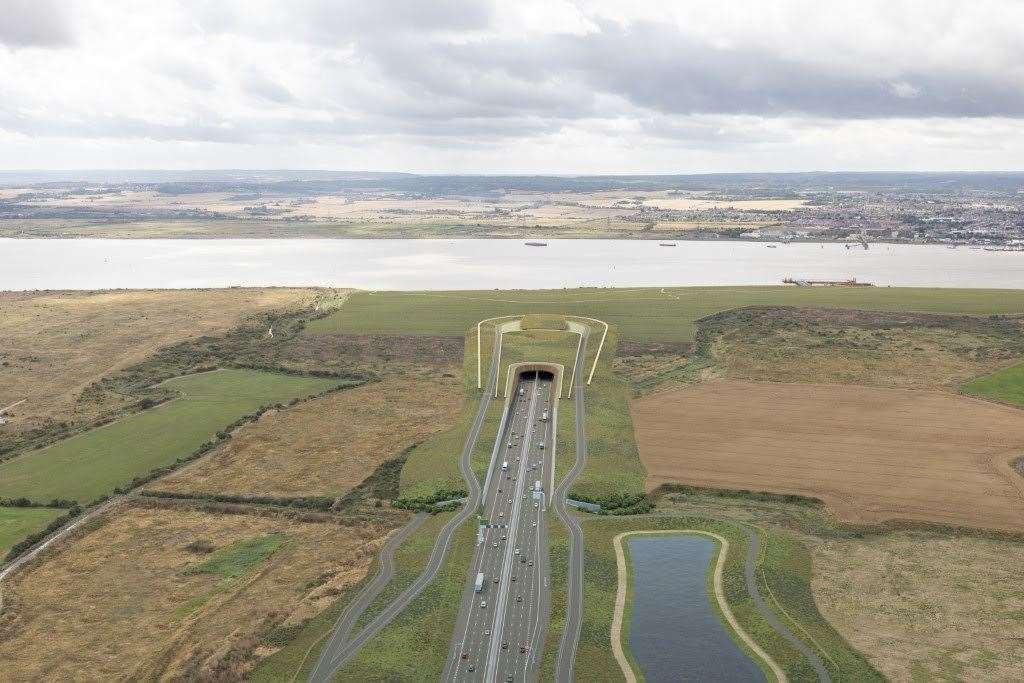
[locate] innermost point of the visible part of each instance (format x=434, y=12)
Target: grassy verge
x=18, y=522
x=558, y=558
x=1006, y=385
x=93, y=464
x=614, y=477
x=415, y=645
x=649, y=314
x=595, y=660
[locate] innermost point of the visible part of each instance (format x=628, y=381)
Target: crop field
x=871, y=454
x=639, y=314
x=154, y=593
x=18, y=523
x=327, y=445
x=54, y=344
x=92, y=464
x=1006, y=385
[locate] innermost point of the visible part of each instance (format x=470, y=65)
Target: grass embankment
x=93, y=464
x=558, y=558
x=641, y=314
x=545, y=346
x=613, y=477
x=1006, y=385
x=18, y=522
x=414, y=646
x=788, y=576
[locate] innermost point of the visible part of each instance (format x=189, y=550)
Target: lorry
x=544, y=417
x=479, y=587
x=536, y=486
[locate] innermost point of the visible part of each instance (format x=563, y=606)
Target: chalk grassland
x=17, y=523
x=1006, y=385
x=639, y=314
x=176, y=594
x=927, y=607
x=871, y=454
x=595, y=661
x=415, y=644
x=92, y=464
x=54, y=344
x=908, y=350
x=327, y=445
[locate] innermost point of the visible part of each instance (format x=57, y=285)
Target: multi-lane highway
x=503, y=620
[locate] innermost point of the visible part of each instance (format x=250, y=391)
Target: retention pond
x=675, y=633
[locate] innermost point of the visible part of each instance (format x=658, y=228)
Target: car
x=502, y=514
x=509, y=501
x=535, y=523
x=513, y=577
x=530, y=564
x=495, y=544
x=465, y=655
x=519, y=598
x=504, y=537
x=522, y=649
x=504, y=646
x=470, y=668
x=534, y=506
x=483, y=604
x=523, y=559
x=508, y=476
x=487, y=631
x=509, y=678
x=495, y=579
x=517, y=551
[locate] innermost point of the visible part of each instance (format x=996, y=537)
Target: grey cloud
x=34, y=23
x=260, y=86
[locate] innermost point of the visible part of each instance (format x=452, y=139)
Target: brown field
x=53, y=344
x=117, y=603
x=328, y=445
x=926, y=608
x=870, y=454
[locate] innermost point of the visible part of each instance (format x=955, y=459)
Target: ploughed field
x=870, y=454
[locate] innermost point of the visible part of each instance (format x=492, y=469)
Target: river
x=484, y=264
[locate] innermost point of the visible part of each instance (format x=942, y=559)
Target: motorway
x=500, y=632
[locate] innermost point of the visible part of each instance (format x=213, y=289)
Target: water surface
x=483, y=264
x=674, y=632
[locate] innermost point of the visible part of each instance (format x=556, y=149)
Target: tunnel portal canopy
x=552, y=371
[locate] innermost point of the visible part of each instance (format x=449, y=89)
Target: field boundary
x=620, y=601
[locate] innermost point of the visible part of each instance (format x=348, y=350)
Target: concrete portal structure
x=517, y=369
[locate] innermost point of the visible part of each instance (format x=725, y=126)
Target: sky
x=513, y=86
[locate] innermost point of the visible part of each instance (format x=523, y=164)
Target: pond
x=675, y=633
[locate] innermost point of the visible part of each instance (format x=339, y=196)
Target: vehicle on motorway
x=519, y=598
x=504, y=646
x=496, y=579
x=522, y=392
x=522, y=649
x=541, y=445
x=513, y=577
x=487, y=631
x=536, y=484
x=483, y=604
x=504, y=466
x=544, y=417
x=480, y=582
x=465, y=655
x=470, y=668
x=522, y=558
x=517, y=551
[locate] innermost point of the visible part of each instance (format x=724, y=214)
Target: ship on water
x=666, y=244
x=536, y=244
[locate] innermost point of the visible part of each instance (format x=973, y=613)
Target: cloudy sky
x=515, y=86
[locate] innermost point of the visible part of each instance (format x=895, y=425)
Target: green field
x=92, y=464
x=645, y=314
x=1007, y=385
x=18, y=523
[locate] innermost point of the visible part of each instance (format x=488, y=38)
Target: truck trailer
x=479, y=587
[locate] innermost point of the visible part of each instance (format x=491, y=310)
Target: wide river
x=484, y=264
